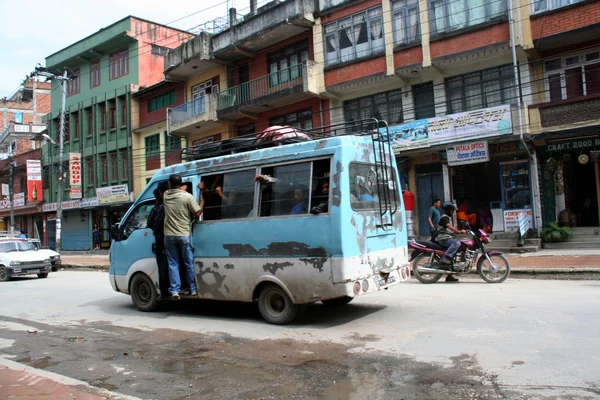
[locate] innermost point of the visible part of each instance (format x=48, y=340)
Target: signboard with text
x=75, y=193
x=113, y=194
x=511, y=219
x=75, y=170
x=468, y=153
x=18, y=199
x=34, y=181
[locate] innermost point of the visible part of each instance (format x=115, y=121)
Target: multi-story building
x=105, y=68
x=21, y=121
x=565, y=109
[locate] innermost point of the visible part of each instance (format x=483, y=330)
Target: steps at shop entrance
x=583, y=238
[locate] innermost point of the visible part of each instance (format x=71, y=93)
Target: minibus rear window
x=364, y=188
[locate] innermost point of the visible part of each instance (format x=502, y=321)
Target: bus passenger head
x=324, y=187
x=163, y=186
x=175, y=181
x=202, y=186
x=158, y=196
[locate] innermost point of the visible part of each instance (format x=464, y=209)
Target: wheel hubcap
x=145, y=293
x=275, y=303
x=2, y=273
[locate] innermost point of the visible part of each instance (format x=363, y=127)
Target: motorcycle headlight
x=15, y=263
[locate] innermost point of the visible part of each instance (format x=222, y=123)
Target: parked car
x=18, y=258
x=53, y=255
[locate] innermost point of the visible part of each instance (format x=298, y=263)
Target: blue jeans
x=452, y=245
x=179, y=249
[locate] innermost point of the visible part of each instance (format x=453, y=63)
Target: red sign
x=75, y=169
x=34, y=181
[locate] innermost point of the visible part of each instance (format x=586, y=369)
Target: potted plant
x=554, y=233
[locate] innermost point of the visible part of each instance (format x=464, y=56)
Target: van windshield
x=365, y=187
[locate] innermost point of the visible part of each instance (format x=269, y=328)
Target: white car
x=18, y=257
x=51, y=254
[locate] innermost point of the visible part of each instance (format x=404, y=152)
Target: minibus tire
x=143, y=293
x=271, y=298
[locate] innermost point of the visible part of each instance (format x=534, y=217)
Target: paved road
x=519, y=340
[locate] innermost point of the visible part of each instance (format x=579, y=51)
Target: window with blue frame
x=540, y=6
x=451, y=15
x=161, y=101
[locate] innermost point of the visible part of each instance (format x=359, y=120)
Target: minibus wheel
x=275, y=305
x=143, y=293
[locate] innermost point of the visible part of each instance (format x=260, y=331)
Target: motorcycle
x=426, y=257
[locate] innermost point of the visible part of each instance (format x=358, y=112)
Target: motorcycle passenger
x=445, y=236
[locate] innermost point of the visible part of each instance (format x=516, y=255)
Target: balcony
x=581, y=111
x=287, y=86
x=190, y=58
x=194, y=116
x=273, y=23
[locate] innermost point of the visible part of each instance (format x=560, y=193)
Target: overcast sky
x=31, y=30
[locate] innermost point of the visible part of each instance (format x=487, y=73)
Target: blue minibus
x=293, y=220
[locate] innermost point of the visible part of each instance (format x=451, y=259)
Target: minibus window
x=138, y=219
x=364, y=192
x=228, y=196
x=288, y=193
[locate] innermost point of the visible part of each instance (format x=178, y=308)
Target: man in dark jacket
x=156, y=222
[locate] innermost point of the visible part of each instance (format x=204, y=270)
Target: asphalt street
x=523, y=339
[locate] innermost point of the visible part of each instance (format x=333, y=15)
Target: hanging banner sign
x=89, y=202
x=113, y=194
x=75, y=169
x=34, y=180
x=468, y=153
x=487, y=122
x=511, y=219
x=75, y=193
x=49, y=207
x=18, y=199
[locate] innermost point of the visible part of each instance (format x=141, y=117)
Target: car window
x=6, y=247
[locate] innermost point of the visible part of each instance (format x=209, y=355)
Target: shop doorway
x=581, y=196
x=430, y=186
x=52, y=234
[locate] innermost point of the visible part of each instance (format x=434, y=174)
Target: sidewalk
x=19, y=381
x=543, y=261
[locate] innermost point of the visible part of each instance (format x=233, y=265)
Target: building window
x=95, y=74
x=152, y=145
x=118, y=64
x=547, y=5
x=158, y=50
x=90, y=171
x=246, y=130
x=451, y=15
x=45, y=177
x=125, y=165
x=103, y=118
x=112, y=115
x=424, y=100
x=73, y=83
x=90, y=121
x=75, y=125
x=385, y=106
x=123, y=102
x=354, y=37
x=286, y=64
x=572, y=76
x=104, y=164
x=405, y=14
x=161, y=101
x=298, y=119
x=172, y=143
x=488, y=88
x=114, y=166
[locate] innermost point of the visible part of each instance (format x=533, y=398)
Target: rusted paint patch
x=317, y=262
x=229, y=266
x=210, y=283
x=275, y=249
x=381, y=263
x=273, y=267
x=321, y=145
x=336, y=190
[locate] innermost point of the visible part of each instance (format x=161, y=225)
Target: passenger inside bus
x=300, y=201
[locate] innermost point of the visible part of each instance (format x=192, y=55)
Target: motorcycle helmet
x=447, y=206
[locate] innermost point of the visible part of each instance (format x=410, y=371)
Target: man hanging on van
x=156, y=222
x=179, y=205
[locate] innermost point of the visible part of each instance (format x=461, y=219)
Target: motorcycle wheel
x=485, y=269
x=422, y=260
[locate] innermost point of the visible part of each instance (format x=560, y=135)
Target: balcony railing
x=275, y=82
x=188, y=110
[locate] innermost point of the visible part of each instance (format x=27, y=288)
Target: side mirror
x=115, y=232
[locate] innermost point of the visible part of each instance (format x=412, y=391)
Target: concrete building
x=21, y=120
x=107, y=67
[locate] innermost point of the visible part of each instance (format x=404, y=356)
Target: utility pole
x=11, y=182
x=62, y=80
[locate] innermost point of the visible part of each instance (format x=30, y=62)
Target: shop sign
x=468, y=153
x=34, y=180
x=487, y=122
x=89, y=202
x=70, y=204
x=5, y=190
x=75, y=193
x=113, y=194
x=523, y=221
x=49, y=207
x=574, y=145
x=511, y=219
x=75, y=170
x=18, y=199
x=506, y=148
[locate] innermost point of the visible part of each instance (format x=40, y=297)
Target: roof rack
x=283, y=135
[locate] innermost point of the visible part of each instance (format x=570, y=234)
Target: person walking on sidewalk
x=179, y=205
x=156, y=222
x=445, y=236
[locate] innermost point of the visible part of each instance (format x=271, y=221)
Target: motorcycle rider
x=445, y=236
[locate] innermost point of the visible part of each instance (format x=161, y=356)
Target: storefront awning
x=31, y=209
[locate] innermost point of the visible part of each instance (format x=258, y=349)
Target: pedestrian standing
x=179, y=205
x=96, y=236
x=434, y=217
x=156, y=222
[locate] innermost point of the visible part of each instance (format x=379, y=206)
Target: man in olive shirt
x=179, y=206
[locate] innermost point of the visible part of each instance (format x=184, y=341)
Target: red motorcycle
x=426, y=257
